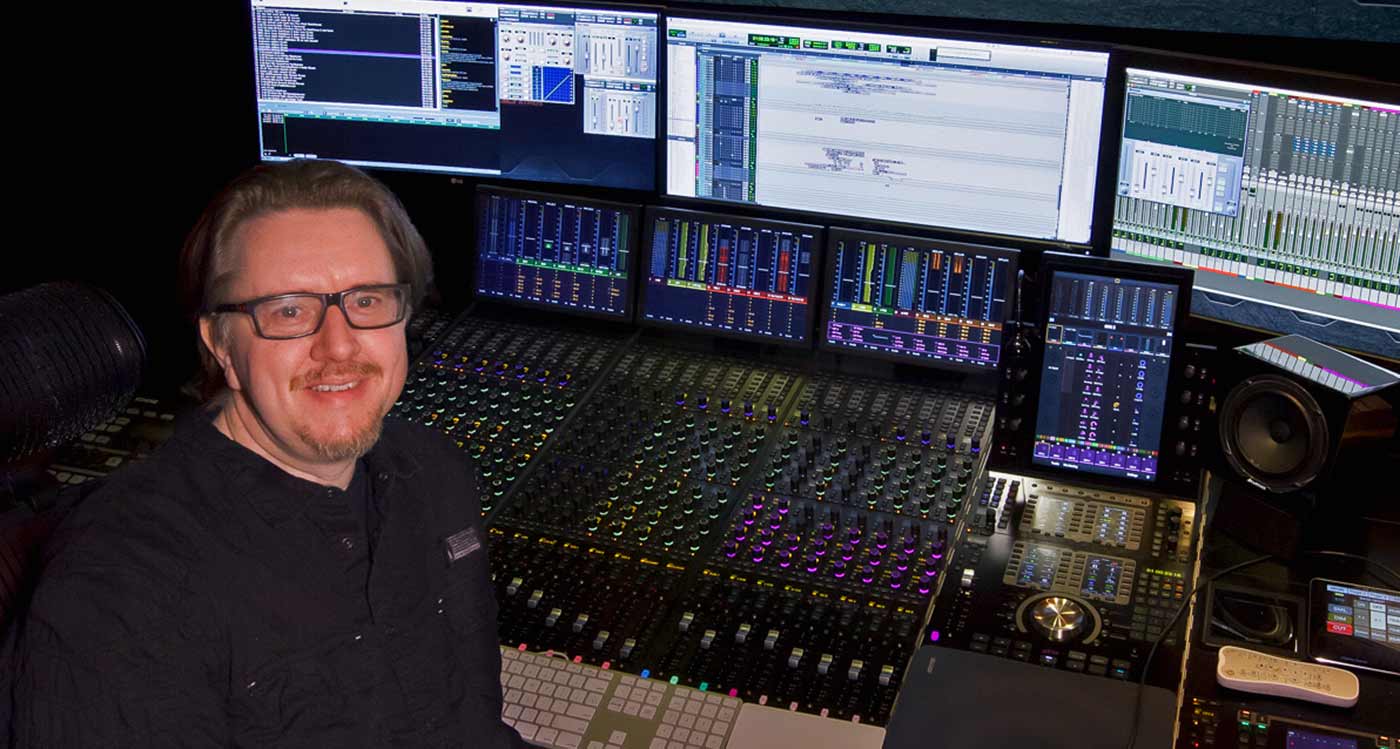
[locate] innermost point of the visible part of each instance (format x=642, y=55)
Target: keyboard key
x=664, y=731
x=594, y=699
x=511, y=711
x=720, y=727
x=571, y=725
x=528, y=700
x=527, y=730
x=618, y=737
x=530, y=715
x=657, y=743
x=582, y=712
x=615, y=705
x=597, y=686
x=546, y=735
x=703, y=724
x=709, y=711
x=569, y=740
x=623, y=692
x=632, y=708
x=648, y=713
x=681, y=734
x=653, y=699
x=714, y=742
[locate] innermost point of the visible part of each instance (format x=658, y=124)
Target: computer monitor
x=546, y=93
x=979, y=136
x=556, y=252
x=1111, y=331
x=1286, y=202
x=730, y=275
x=928, y=301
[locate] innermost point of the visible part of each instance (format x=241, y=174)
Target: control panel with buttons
x=1069, y=577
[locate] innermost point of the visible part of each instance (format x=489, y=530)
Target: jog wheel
x=1058, y=618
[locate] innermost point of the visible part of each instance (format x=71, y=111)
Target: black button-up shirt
x=205, y=597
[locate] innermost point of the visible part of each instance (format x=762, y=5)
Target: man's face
x=290, y=397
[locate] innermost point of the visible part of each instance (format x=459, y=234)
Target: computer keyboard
x=555, y=702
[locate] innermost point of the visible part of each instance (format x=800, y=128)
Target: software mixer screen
x=554, y=251
x=941, y=303
x=1285, y=200
x=732, y=275
x=1108, y=346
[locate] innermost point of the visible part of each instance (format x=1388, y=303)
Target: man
x=290, y=569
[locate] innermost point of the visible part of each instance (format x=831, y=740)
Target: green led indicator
x=872, y=47
x=704, y=686
x=675, y=680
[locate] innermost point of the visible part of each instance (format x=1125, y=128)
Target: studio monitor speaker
x=1294, y=410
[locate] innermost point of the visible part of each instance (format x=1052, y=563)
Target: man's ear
x=215, y=335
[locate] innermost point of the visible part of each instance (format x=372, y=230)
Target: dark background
x=127, y=119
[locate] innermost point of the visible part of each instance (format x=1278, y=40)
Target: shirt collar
x=277, y=495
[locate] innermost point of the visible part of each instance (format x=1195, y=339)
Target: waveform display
x=936, y=302
x=555, y=251
x=747, y=277
x=1106, y=361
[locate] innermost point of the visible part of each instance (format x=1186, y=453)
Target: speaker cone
x=1273, y=433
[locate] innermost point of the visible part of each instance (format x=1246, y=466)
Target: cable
x=1394, y=578
x=1142, y=681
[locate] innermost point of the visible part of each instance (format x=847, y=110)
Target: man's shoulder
x=155, y=503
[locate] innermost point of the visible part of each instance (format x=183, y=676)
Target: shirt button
x=383, y=477
x=348, y=543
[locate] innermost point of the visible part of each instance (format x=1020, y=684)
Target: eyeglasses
x=287, y=316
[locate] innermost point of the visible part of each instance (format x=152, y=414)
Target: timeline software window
x=979, y=136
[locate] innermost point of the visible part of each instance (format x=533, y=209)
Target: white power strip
x=1250, y=671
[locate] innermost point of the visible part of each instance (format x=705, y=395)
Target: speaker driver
x=1273, y=433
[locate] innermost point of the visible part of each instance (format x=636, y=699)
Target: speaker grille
x=1273, y=433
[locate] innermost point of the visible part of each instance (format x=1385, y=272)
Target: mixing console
x=590, y=502
x=851, y=551
x=790, y=646
x=599, y=605
x=500, y=389
x=1069, y=577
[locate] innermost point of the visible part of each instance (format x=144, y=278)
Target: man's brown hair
x=207, y=258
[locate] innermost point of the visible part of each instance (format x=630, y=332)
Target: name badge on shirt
x=462, y=543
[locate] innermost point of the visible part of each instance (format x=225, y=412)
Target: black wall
x=131, y=118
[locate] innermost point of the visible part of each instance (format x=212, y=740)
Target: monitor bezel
x=643, y=280
x=633, y=210
x=658, y=141
x=1100, y=212
x=1168, y=462
x=836, y=233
